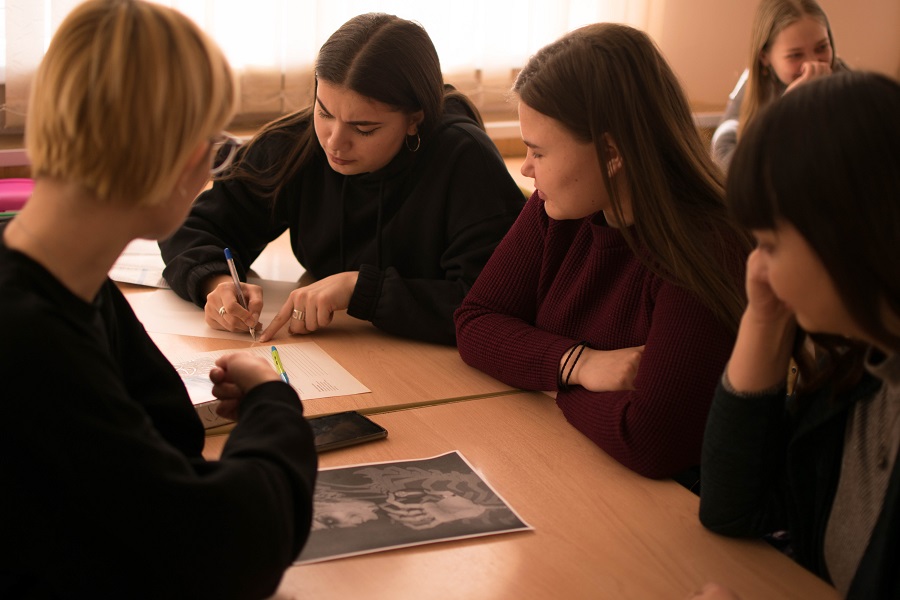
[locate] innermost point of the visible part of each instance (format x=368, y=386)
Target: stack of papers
x=141, y=264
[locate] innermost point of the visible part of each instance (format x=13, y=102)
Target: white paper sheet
x=141, y=264
x=161, y=311
x=311, y=371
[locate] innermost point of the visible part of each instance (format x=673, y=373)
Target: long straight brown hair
x=376, y=55
x=610, y=79
x=772, y=16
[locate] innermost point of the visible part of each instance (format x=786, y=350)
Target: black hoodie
x=418, y=230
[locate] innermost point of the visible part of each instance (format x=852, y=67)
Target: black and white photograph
x=381, y=506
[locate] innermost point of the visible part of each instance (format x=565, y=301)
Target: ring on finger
x=297, y=314
x=222, y=311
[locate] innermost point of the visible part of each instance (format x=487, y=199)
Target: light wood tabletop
x=600, y=530
x=399, y=372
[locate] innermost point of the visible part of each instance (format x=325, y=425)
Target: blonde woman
x=105, y=490
x=790, y=44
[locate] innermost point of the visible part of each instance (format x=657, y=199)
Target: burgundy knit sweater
x=551, y=284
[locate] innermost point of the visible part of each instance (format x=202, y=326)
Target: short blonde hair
x=125, y=93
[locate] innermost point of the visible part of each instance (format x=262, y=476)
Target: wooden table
x=398, y=371
x=601, y=531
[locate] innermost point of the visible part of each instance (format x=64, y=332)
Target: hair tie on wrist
x=576, y=350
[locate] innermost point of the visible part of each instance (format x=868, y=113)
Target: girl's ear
x=614, y=157
x=415, y=119
x=764, y=58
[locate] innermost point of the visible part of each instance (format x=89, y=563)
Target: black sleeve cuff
x=278, y=390
x=364, y=299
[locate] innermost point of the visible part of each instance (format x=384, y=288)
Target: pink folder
x=14, y=193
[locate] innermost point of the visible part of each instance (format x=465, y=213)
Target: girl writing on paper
x=619, y=286
x=822, y=204
x=393, y=194
x=105, y=490
x=790, y=44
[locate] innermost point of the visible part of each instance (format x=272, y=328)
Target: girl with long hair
x=620, y=285
x=393, y=194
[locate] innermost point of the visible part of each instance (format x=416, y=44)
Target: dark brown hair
x=826, y=158
x=376, y=55
x=609, y=79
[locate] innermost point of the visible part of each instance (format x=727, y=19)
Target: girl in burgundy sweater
x=620, y=284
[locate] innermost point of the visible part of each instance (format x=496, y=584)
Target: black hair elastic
x=576, y=350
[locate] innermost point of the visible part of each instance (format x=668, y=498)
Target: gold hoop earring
x=418, y=143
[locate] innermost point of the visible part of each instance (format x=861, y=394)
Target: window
x=272, y=43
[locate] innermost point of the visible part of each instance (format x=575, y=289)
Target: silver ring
x=297, y=314
x=222, y=311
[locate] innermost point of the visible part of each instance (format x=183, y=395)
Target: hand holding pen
x=237, y=287
x=231, y=305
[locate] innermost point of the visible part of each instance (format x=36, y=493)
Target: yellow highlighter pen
x=278, y=366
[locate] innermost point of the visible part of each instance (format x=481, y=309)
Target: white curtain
x=272, y=43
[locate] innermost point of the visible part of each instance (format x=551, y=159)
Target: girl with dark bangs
x=822, y=202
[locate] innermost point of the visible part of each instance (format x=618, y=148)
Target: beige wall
x=706, y=41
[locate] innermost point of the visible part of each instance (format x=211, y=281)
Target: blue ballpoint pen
x=278, y=366
x=237, y=286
